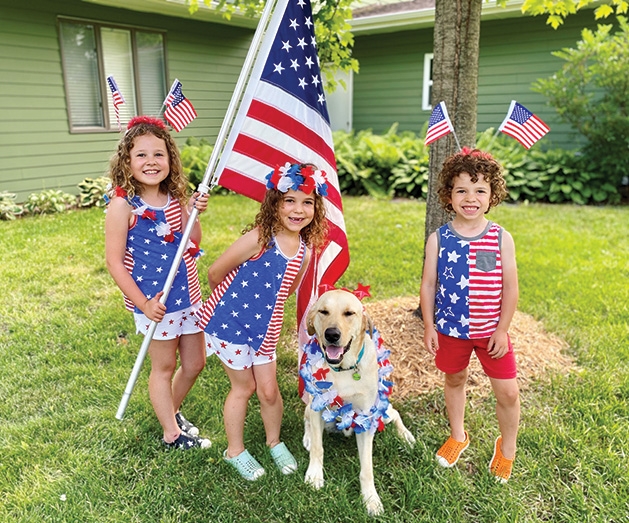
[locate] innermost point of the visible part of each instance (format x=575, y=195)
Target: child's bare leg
x=508, y=413
x=192, y=356
x=455, y=403
x=163, y=356
x=243, y=385
x=271, y=404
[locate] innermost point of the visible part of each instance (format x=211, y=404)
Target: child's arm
x=238, y=252
x=301, y=272
x=198, y=201
x=116, y=229
x=498, y=343
x=427, y=294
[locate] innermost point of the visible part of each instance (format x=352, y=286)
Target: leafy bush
x=195, y=156
x=9, y=210
x=49, y=201
x=92, y=192
x=590, y=92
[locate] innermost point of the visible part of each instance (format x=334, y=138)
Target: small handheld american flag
x=523, y=125
x=439, y=124
x=179, y=111
x=116, y=97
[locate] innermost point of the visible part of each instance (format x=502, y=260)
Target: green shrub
x=9, y=210
x=92, y=192
x=49, y=201
x=195, y=156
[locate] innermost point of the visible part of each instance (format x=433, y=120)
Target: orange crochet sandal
x=500, y=466
x=451, y=451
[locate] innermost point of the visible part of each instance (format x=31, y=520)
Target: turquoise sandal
x=284, y=460
x=246, y=465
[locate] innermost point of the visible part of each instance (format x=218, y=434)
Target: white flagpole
x=204, y=189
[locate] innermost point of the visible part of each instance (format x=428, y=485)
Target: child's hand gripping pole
x=139, y=360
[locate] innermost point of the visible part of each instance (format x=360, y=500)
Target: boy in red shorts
x=468, y=297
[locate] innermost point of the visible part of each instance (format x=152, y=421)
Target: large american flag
x=116, y=97
x=439, y=124
x=179, y=110
x=283, y=117
x=523, y=125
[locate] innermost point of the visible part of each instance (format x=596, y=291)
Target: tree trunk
x=455, y=82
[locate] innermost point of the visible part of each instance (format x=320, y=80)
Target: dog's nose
x=332, y=335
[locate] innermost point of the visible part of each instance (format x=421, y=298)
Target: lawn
x=67, y=347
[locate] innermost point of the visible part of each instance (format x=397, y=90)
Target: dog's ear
x=367, y=323
x=310, y=321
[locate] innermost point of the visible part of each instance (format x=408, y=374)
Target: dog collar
x=326, y=400
x=354, y=367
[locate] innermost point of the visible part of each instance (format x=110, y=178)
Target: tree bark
x=455, y=82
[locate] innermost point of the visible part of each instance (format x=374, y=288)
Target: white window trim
x=427, y=82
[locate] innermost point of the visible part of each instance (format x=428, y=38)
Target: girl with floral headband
x=243, y=316
x=147, y=212
x=468, y=297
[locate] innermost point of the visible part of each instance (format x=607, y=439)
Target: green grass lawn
x=67, y=347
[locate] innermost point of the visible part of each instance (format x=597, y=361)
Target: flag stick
x=203, y=189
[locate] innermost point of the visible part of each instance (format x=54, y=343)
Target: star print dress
x=469, y=290
x=152, y=244
x=247, y=307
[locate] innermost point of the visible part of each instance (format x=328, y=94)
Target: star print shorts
x=234, y=356
x=173, y=325
x=454, y=355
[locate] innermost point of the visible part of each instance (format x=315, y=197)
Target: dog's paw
x=374, y=505
x=408, y=437
x=314, y=478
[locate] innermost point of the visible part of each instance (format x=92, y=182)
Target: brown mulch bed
x=538, y=353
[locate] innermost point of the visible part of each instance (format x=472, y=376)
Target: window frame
x=109, y=126
x=427, y=82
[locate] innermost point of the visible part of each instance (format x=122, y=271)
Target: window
x=427, y=83
x=91, y=52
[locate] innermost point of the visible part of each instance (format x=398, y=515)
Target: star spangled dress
x=247, y=307
x=152, y=243
x=469, y=289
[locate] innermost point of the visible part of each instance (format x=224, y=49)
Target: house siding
x=514, y=52
x=37, y=149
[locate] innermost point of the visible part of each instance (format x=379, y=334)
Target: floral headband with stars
x=298, y=177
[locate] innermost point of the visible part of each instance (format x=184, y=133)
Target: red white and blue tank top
x=152, y=243
x=469, y=289
x=247, y=307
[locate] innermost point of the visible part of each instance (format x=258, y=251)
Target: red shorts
x=454, y=355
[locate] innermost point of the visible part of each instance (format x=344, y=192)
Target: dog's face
x=339, y=321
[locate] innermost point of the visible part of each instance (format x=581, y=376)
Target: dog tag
x=356, y=376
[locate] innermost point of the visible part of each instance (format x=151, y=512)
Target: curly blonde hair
x=268, y=220
x=476, y=163
x=175, y=184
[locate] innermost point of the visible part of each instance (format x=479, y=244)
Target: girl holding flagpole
x=243, y=316
x=147, y=212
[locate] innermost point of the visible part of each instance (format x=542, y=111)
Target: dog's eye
x=348, y=313
x=323, y=312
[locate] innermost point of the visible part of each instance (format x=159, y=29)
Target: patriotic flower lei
x=162, y=229
x=326, y=400
x=306, y=179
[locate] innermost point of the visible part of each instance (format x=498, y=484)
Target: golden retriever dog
x=344, y=374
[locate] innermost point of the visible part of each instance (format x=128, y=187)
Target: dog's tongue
x=333, y=352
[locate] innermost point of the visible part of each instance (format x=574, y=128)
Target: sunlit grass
x=67, y=348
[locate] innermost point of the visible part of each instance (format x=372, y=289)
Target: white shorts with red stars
x=237, y=357
x=173, y=325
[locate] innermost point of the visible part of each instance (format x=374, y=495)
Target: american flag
x=116, y=97
x=439, y=124
x=283, y=117
x=523, y=125
x=179, y=111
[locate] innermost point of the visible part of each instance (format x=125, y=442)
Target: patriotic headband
x=476, y=153
x=149, y=120
x=298, y=177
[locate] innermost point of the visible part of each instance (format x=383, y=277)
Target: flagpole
x=203, y=189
